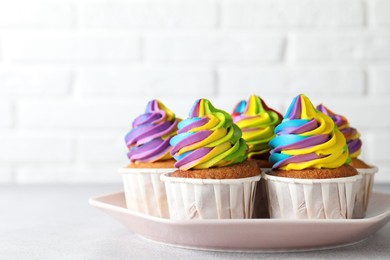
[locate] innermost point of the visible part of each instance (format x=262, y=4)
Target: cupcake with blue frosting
x=310, y=176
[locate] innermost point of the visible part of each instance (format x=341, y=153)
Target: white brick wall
x=380, y=12
x=35, y=14
x=168, y=81
x=75, y=73
x=213, y=47
x=57, y=46
x=148, y=14
x=341, y=46
x=287, y=13
x=27, y=81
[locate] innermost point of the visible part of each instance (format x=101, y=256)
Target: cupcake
x=149, y=155
x=214, y=180
x=257, y=122
x=310, y=177
x=354, y=147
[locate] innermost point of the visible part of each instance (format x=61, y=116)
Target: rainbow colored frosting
x=351, y=134
x=307, y=138
x=257, y=122
x=208, y=138
x=148, y=141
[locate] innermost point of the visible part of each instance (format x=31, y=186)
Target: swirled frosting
x=307, y=138
x=257, y=122
x=208, y=138
x=148, y=141
x=351, y=134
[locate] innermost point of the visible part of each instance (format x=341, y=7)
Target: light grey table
x=56, y=222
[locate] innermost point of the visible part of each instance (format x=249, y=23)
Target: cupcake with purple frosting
x=149, y=153
x=354, y=147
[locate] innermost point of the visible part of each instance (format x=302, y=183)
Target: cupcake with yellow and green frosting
x=257, y=122
x=214, y=179
x=310, y=176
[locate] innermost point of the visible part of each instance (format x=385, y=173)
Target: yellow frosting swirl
x=208, y=138
x=307, y=138
x=257, y=122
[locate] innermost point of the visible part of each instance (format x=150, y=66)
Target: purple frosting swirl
x=148, y=141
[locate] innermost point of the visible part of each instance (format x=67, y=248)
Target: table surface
x=56, y=222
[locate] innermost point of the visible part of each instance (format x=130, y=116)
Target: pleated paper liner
x=292, y=198
x=364, y=192
x=190, y=198
x=144, y=192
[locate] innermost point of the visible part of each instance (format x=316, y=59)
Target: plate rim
x=271, y=251
x=94, y=201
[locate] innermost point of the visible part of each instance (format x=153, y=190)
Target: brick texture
x=298, y=13
x=231, y=47
x=75, y=73
x=380, y=13
x=149, y=14
x=165, y=81
x=34, y=81
x=35, y=148
x=340, y=47
x=70, y=47
x=35, y=14
x=380, y=80
x=6, y=114
x=282, y=81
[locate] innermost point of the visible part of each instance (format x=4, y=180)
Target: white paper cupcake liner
x=144, y=192
x=364, y=192
x=190, y=198
x=292, y=198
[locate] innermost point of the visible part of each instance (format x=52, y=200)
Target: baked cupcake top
x=208, y=138
x=257, y=122
x=351, y=134
x=307, y=138
x=148, y=141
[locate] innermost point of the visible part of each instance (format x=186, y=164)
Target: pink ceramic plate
x=250, y=234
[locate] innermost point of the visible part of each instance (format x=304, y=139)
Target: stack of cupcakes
x=354, y=147
x=310, y=177
x=149, y=154
x=214, y=180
